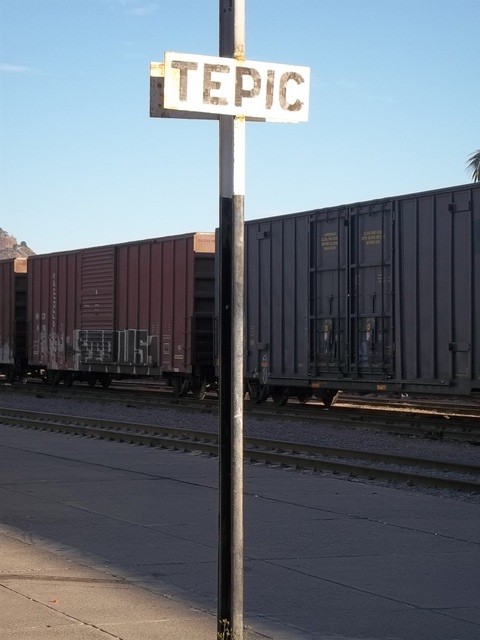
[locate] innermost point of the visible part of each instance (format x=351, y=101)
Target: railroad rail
x=439, y=474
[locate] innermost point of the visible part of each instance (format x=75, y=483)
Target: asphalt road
x=101, y=540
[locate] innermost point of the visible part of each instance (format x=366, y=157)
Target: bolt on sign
x=197, y=84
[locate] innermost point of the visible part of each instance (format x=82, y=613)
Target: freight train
x=374, y=296
x=377, y=296
x=141, y=308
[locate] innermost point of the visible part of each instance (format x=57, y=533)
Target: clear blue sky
x=394, y=108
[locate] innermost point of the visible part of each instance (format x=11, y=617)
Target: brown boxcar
x=133, y=309
x=13, y=296
x=379, y=295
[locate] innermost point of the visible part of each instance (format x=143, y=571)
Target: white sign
x=257, y=90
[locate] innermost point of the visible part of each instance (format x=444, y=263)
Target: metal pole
x=231, y=312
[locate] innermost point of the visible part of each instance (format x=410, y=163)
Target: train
x=375, y=296
x=134, y=309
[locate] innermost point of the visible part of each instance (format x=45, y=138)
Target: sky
x=394, y=109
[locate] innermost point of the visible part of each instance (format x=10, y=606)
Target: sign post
x=231, y=303
x=231, y=89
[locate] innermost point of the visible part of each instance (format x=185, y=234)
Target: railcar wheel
x=303, y=397
x=105, y=380
x=258, y=392
x=53, y=377
x=11, y=375
x=91, y=381
x=280, y=395
x=68, y=378
x=180, y=386
x=199, y=389
x=329, y=397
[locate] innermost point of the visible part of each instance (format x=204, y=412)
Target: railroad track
x=445, y=422
x=353, y=463
x=437, y=426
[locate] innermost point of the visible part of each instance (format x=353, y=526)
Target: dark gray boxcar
x=138, y=308
x=380, y=295
x=13, y=296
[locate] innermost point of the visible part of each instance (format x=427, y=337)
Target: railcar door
x=328, y=293
x=370, y=291
x=351, y=302
x=95, y=338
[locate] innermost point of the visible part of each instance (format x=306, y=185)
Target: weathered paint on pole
x=231, y=292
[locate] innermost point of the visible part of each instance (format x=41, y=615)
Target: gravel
x=307, y=431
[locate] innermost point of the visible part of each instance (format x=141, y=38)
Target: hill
x=11, y=248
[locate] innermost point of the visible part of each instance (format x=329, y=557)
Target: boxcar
x=374, y=296
x=13, y=296
x=134, y=309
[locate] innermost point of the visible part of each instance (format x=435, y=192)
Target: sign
x=226, y=86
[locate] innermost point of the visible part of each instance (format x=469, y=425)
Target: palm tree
x=474, y=165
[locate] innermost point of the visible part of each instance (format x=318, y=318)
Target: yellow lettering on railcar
x=374, y=236
x=329, y=241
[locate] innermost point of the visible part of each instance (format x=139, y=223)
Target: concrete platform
x=105, y=540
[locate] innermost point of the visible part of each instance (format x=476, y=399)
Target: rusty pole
x=231, y=312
